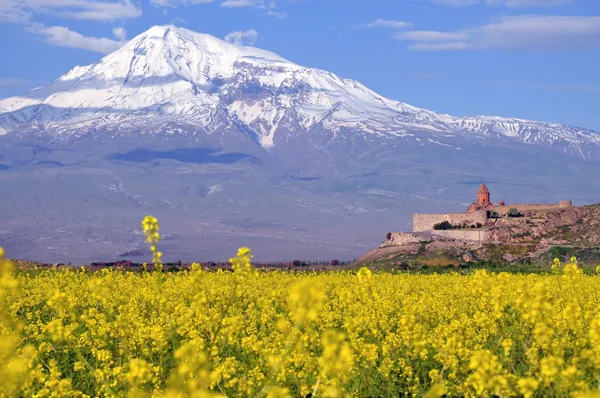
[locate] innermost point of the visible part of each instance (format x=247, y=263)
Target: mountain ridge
x=204, y=82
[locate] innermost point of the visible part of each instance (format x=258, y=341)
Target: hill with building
x=489, y=231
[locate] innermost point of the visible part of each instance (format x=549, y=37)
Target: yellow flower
x=337, y=359
x=550, y=367
x=305, y=300
x=571, y=270
x=241, y=264
x=337, y=334
x=139, y=372
x=507, y=345
x=434, y=374
x=527, y=386
x=278, y=392
x=364, y=274
x=436, y=391
x=150, y=227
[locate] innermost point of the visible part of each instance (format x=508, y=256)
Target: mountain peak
x=160, y=30
x=172, y=73
x=174, y=34
x=151, y=69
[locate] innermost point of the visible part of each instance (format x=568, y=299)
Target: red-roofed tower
x=483, y=195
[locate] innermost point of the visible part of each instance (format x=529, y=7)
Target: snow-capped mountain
x=174, y=74
x=230, y=145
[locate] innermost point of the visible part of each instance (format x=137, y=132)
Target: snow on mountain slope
x=149, y=70
x=173, y=74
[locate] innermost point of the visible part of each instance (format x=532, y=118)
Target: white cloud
x=11, y=10
x=10, y=13
x=175, y=3
x=21, y=11
x=262, y=4
x=265, y=4
x=247, y=38
x=507, y=3
x=249, y=3
x=528, y=32
x=165, y=3
x=276, y=14
x=430, y=36
x=384, y=23
x=64, y=37
x=120, y=33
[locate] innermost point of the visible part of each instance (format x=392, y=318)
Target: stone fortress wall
x=502, y=210
x=475, y=236
x=408, y=238
x=425, y=222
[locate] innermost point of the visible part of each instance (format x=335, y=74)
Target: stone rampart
x=479, y=216
x=425, y=222
x=502, y=210
x=475, y=236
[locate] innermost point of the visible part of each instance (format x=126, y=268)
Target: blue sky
x=533, y=59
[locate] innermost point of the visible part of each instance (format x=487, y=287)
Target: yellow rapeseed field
x=276, y=334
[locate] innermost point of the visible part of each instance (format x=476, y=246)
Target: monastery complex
x=478, y=213
x=483, y=221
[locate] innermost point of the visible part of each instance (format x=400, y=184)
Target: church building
x=483, y=200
